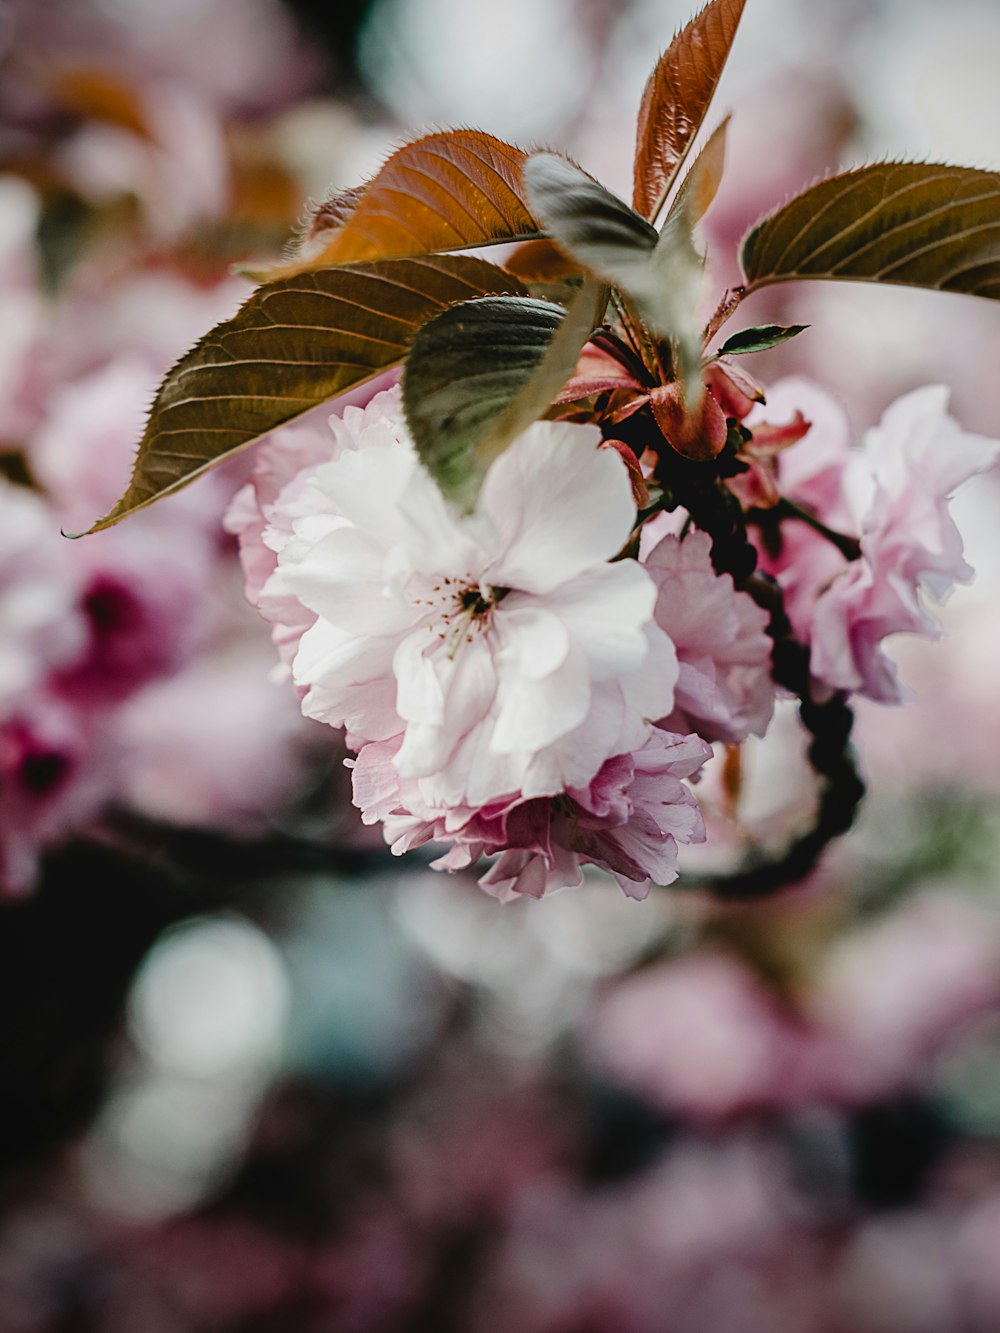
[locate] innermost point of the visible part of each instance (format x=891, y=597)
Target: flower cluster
x=510, y=685
x=517, y=683
x=891, y=495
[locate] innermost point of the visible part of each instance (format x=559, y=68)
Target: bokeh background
x=258, y=1077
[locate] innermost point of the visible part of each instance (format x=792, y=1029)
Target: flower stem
x=849, y=547
x=698, y=488
x=831, y=754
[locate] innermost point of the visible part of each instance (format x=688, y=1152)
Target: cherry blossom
x=912, y=464
x=629, y=820
x=724, y=689
x=892, y=494
x=503, y=647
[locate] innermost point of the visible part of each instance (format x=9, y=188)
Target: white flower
x=503, y=647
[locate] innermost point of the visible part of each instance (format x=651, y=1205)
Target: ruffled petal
x=559, y=503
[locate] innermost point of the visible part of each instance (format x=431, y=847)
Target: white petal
x=366, y=486
x=536, y=709
x=435, y=537
x=348, y=681
x=419, y=692
x=532, y=641
x=340, y=578
x=559, y=503
x=443, y=710
x=605, y=611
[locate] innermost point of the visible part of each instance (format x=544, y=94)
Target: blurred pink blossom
x=710, y=1237
x=889, y=995
x=188, y=757
x=42, y=628
x=25, y=311
x=178, y=169
x=54, y=777
x=701, y=1036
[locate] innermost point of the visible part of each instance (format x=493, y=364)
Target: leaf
x=580, y=318
x=759, y=339
x=588, y=221
x=676, y=99
x=597, y=372
x=912, y=224
x=701, y=184
x=465, y=367
x=541, y=261
x=482, y=372
x=331, y=216
x=546, y=272
x=681, y=272
x=698, y=431
x=291, y=346
x=662, y=273
x=733, y=389
x=446, y=191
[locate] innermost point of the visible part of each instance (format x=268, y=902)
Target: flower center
x=460, y=608
x=475, y=602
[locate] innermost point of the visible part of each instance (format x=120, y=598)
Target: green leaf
x=581, y=317
x=912, y=224
x=680, y=269
x=447, y=191
x=759, y=339
x=292, y=345
x=482, y=372
x=676, y=100
x=588, y=221
x=660, y=272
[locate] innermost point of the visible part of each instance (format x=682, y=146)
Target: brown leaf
x=912, y=224
x=541, y=261
x=676, y=99
x=769, y=441
x=292, y=345
x=640, y=489
x=733, y=389
x=621, y=404
x=446, y=191
x=701, y=184
x=331, y=215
